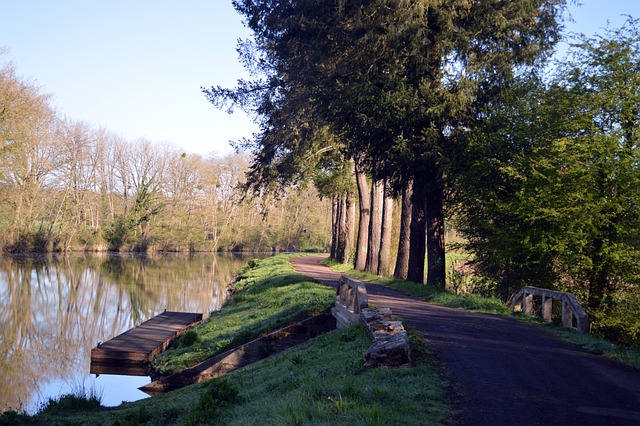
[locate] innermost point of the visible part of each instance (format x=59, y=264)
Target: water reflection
x=53, y=310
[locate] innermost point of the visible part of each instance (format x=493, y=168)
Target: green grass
x=322, y=382
x=590, y=343
x=269, y=294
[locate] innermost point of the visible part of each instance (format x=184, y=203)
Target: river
x=54, y=309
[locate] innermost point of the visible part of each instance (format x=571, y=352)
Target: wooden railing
x=351, y=298
x=573, y=314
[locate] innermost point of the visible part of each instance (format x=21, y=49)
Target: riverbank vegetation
x=320, y=382
x=68, y=186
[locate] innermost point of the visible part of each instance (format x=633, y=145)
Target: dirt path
x=506, y=372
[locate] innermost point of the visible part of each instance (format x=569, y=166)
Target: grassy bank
x=268, y=295
x=320, y=382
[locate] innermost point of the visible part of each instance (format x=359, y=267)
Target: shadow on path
x=506, y=372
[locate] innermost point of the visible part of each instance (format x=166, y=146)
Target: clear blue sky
x=136, y=67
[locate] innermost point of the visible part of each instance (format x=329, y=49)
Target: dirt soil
x=503, y=371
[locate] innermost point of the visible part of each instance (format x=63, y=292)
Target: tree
x=550, y=195
x=504, y=162
x=364, y=217
x=402, y=261
x=27, y=153
x=396, y=80
x=602, y=84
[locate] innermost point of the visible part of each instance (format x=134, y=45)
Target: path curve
x=506, y=372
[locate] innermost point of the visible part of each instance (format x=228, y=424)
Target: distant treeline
x=67, y=186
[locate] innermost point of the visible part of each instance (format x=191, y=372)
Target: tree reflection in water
x=53, y=310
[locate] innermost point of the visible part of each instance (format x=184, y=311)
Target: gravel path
x=506, y=372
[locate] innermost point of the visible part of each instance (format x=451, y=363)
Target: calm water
x=53, y=310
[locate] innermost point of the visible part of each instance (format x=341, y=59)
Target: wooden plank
x=135, y=348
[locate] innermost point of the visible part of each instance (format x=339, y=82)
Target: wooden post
x=567, y=315
x=527, y=301
x=547, y=308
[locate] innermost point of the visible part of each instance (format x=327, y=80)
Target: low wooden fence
x=573, y=314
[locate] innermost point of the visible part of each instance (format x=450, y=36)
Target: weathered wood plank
x=135, y=348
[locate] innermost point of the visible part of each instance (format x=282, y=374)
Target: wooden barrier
x=573, y=314
x=351, y=298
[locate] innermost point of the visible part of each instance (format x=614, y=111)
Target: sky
x=136, y=67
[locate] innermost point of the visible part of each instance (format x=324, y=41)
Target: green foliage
x=114, y=233
x=618, y=321
x=13, y=418
x=187, y=339
x=508, y=238
x=217, y=394
x=141, y=415
x=79, y=401
x=548, y=194
x=146, y=205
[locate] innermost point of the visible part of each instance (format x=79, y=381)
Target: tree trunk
x=350, y=224
x=342, y=229
x=436, y=268
x=375, y=226
x=334, y=227
x=365, y=216
x=384, y=267
x=402, y=261
x=417, y=240
x=597, y=282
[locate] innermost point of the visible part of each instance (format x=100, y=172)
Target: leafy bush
x=187, y=339
x=71, y=402
x=619, y=322
x=13, y=418
x=218, y=394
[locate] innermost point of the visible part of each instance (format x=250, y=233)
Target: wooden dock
x=131, y=352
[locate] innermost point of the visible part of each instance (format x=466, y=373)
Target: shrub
x=71, y=402
x=619, y=322
x=218, y=394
